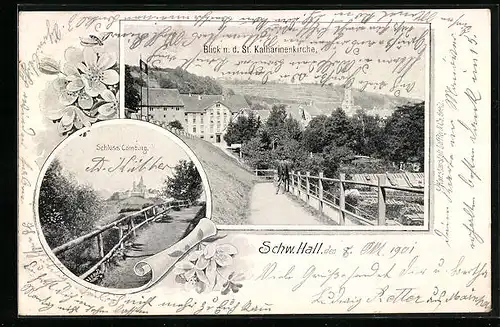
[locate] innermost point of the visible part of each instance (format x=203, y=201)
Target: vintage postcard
x=254, y=162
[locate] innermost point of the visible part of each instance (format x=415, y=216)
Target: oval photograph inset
x=114, y=195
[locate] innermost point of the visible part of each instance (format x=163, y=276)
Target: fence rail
x=311, y=189
x=127, y=226
x=266, y=174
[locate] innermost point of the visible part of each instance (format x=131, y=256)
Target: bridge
x=129, y=239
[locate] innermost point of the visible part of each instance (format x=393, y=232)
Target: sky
x=172, y=56
x=78, y=153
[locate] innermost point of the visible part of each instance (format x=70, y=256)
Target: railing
x=311, y=189
x=127, y=226
x=265, y=174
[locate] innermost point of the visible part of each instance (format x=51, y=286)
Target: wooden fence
x=311, y=189
x=265, y=174
x=127, y=227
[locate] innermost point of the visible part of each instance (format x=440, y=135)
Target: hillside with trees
x=331, y=143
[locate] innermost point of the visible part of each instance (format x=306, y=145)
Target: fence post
x=100, y=245
x=381, y=199
x=342, y=199
x=308, y=186
x=120, y=234
x=256, y=172
x=320, y=191
x=132, y=226
x=299, y=183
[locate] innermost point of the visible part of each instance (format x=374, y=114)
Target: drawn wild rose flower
x=110, y=107
x=232, y=283
x=193, y=276
x=70, y=116
x=96, y=72
x=68, y=96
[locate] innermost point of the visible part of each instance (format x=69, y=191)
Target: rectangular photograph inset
x=322, y=127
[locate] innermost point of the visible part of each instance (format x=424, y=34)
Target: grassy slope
x=230, y=184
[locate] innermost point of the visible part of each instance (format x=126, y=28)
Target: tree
x=314, y=136
x=334, y=156
x=176, y=124
x=242, y=130
x=67, y=209
x=404, y=134
x=339, y=130
x=132, y=97
x=293, y=129
x=275, y=123
x=368, y=133
x=186, y=182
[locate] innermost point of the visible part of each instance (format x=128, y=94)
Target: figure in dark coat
x=283, y=171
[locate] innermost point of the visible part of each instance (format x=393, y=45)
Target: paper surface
x=254, y=162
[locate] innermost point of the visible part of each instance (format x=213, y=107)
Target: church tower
x=348, y=101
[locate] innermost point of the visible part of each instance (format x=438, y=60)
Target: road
x=269, y=208
x=150, y=239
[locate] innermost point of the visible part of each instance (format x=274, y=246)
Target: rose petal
x=211, y=272
x=223, y=259
x=70, y=71
x=55, y=114
x=85, y=102
x=90, y=57
x=75, y=85
x=59, y=84
x=202, y=263
x=193, y=256
x=189, y=274
x=200, y=287
x=209, y=250
x=106, y=61
x=73, y=55
x=83, y=68
x=68, y=116
x=107, y=109
x=202, y=277
x=108, y=96
x=184, y=265
x=110, y=77
x=94, y=88
x=227, y=248
x=67, y=98
x=78, y=123
x=63, y=129
x=86, y=121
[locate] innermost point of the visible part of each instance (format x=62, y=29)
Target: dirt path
x=151, y=239
x=269, y=208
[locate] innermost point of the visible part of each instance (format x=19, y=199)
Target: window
x=177, y=109
x=185, y=114
x=217, y=105
x=186, y=120
x=202, y=137
x=194, y=129
x=211, y=136
x=164, y=116
x=194, y=119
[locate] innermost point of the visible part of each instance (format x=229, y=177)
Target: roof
x=196, y=103
x=263, y=114
x=192, y=103
x=236, y=102
x=162, y=97
x=294, y=110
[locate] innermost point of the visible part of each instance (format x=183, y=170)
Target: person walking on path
x=283, y=170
